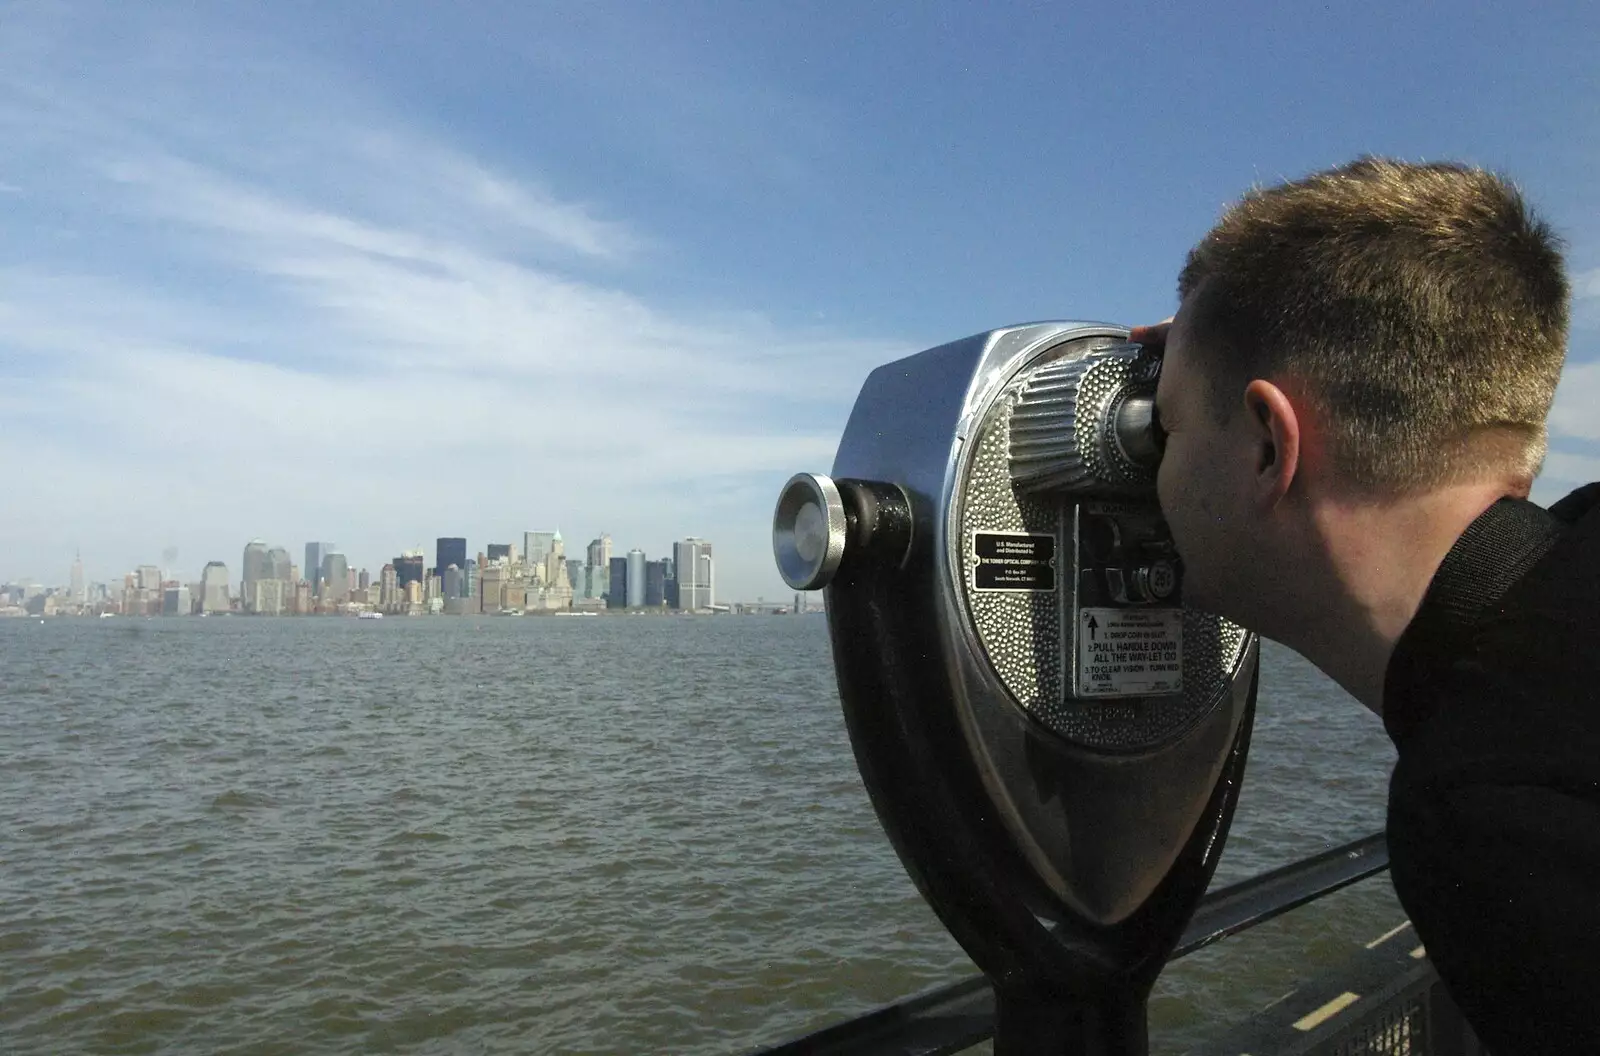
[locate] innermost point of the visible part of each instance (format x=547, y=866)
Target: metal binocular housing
x=1052, y=741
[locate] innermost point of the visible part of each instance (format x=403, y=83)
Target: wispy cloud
x=212, y=343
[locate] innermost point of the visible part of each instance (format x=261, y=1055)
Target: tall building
x=492, y=580
x=600, y=551
x=536, y=547
x=255, y=568
x=499, y=550
x=149, y=577
x=315, y=552
x=469, y=584
x=389, y=592
x=635, y=591
x=655, y=583
x=693, y=570
x=455, y=585
x=175, y=601
x=76, y=587
x=214, y=588
x=408, y=568
x=450, y=550
x=279, y=566
x=270, y=596
x=575, y=576
x=335, y=578
x=617, y=588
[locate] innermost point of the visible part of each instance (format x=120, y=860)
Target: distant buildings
x=175, y=601
x=279, y=566
x=695, y=574
x=455, y=584
x=655, y=583
x=335, y=578
x=617, y=592
x=536, y=547
x=214, y=588
x=450, y=550
x=544, y=579
x=409, y=569
x=635, y=586
x=313, y=565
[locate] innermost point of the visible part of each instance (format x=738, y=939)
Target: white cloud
x=392, y=342
x=1576, y=412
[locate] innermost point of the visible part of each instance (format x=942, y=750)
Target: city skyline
x=541, y=569
x=80, y=571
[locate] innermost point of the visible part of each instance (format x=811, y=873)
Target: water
x=613, y=835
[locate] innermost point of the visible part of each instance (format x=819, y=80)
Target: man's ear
x=1275, y=433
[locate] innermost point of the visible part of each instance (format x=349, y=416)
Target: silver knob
x=1085, y=423
x=1157, y=580
x=808, y=531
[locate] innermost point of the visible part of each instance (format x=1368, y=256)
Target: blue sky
x=375, y=272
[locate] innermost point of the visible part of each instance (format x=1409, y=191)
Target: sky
x=378, y=272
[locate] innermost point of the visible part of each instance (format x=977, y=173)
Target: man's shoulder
x=1517, y=686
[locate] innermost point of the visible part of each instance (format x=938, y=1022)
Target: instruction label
x=1013, y=561
x=1130, y=652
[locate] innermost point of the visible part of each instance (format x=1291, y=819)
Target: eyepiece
x=1138, y=435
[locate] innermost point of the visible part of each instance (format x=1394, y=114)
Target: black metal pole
x=1035, y=1022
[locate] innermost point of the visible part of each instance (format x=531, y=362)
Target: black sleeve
x=1503, y=885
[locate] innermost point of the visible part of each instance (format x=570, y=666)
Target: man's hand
x=1154, y=336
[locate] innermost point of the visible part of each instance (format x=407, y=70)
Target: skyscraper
x=214, y=588
x=655, y=583
x=454, y=585
x=175, y=601
x=635, y=591
x=408, y=568
x=278, y=564
x=313, y=566
x=335, y=578
x=254, y=568
x=694, y=571
x=600, y=552
x=270, y=597
x=78, y=595
x=499, y=550
x=617, y=589
x=536, y=547
x=450, y=550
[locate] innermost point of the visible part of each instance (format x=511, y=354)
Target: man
x=1354, y=393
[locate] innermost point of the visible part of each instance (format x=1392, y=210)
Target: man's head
x=1367, y=333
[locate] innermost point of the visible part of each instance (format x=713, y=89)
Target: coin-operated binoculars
x=1052, y=741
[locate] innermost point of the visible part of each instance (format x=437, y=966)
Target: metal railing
x=1406, y=1010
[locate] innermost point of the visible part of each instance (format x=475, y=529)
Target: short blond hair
x=1422, y=309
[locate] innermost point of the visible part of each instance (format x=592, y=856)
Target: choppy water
x=539, y=835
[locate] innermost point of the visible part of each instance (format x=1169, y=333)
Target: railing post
x=1030, y=1022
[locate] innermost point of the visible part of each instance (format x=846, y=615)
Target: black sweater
x=1493, y=700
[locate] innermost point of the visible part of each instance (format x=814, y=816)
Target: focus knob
x=1085, y=423
x=809, y=531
